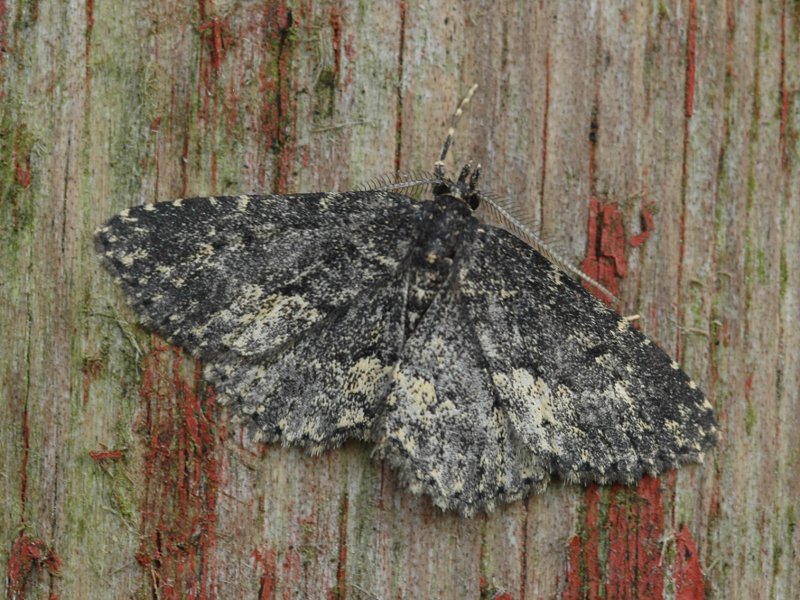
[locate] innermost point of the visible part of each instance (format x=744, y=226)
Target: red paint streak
x=185, y=151
x=545, y=119
x=90, y=370
x=22, y=170
x=612, y=241
x=341, y=572
x=784, y=91
x=215, y=34
x=278, y=110
x=3, y=46
x=621, y=570
x=182, y=475
x=649, y=531
x=350, y=53
x=88, y=48
x=349, y=47
x=398, y=150
x=217, y=38
x=630, y=533
x=748, y=387
x=27, y=555
x=583, y=573
x=605, y=256
x=336, y=26
x=687, y=573
x=574, y=577
x=648, y=226
x=99, y=455
x=691, y=58
x=266, y=588
x=592, y=543
x=524, y=555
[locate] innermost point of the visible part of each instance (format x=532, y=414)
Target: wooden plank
x=657, y=142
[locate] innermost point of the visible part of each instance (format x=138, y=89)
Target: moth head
x=464, y=188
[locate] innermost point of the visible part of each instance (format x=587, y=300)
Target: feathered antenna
x=413, y=183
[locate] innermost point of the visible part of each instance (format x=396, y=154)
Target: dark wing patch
x=591, y=397
x=243, y=276
x=330, y=383
x=443, y=428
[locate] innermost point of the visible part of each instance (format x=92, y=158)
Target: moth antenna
x=404, y=185
x=389, y=183
x=515, y=210
x=517, y=228
x=438, y=167
x=525, y=216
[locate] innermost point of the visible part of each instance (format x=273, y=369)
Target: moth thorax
x=465, y=188
x=459, y=191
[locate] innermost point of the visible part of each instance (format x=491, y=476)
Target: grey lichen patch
x=477, y=369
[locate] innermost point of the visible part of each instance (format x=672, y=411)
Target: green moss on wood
x=784, y=268
x=749, y=419
x=761, y=266
x=324, y=99
x=27, y=15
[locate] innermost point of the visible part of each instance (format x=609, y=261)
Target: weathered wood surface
x=656, y=141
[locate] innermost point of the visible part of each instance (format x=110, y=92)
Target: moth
x=476, y=367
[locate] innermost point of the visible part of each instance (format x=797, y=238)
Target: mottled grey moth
x=475, y=366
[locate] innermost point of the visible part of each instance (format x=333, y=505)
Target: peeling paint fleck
x=605, y=260
x=617, y=552
x=28, y=555
x=688, y=576
x=648, y=226
x=181, y=478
